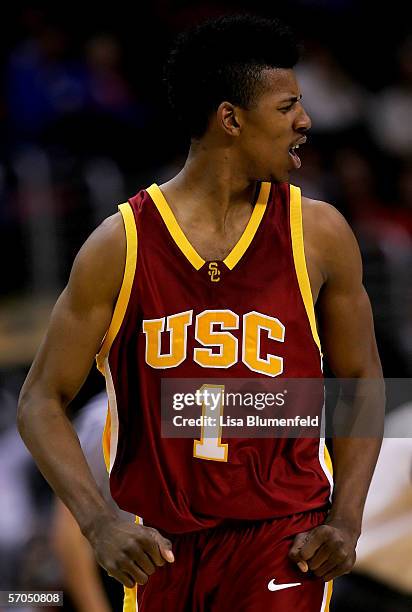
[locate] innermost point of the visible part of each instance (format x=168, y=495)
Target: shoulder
x=324, y=219
x=328, y=237
x=106, y=246
x=110, y=233
x=99, y=265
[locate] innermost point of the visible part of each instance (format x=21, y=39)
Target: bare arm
x=78, y=324
x=348, y=337
x=348, y=340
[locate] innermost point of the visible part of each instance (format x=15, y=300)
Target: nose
x=303, y=121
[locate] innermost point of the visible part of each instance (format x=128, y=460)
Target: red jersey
x=178, y=316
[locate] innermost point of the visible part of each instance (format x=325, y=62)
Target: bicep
x=80, y=317
x=344, y=310
x=68, y=349
x=347, y=333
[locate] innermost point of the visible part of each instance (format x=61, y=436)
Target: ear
x=228, y=118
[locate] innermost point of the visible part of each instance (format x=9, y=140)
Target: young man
x=206, y=277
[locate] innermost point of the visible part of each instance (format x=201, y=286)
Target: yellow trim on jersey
x=130, y=599
x=296, y=228
x=246, y=238
x=329, y=595
x=106, y=439
x=328, y=460
x=183, y=243
x=174, y=228
x=127, y=283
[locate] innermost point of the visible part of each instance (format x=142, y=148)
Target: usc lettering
x=227, y=343
x=212, y=331
x=177, y=326
x=253, y=323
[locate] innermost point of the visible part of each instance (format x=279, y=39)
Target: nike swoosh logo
x=272, y=586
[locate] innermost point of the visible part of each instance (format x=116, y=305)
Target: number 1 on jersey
x=210, y=444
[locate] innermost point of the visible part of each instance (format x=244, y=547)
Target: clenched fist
x=328, y=550
x=129, y=552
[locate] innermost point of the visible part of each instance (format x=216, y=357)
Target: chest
x=230, y=300
x=215, y=244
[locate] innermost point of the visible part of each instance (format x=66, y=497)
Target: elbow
x=28, y=400
x=23, y=409
x=37, y=404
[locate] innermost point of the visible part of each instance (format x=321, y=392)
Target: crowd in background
x=84, y=125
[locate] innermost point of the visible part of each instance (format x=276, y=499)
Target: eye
x=286, y=109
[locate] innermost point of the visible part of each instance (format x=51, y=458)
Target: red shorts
x=242, y=568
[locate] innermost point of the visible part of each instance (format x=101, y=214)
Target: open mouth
x=295, y=157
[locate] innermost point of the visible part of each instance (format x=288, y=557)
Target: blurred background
x=84, y=125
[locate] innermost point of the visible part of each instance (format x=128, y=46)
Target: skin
x=211, y=198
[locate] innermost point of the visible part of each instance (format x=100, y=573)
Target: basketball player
x=208, y=276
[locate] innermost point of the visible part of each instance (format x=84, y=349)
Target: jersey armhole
x=126, y=287
x=298, y=248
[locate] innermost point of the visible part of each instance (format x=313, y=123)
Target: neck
x=211, y=182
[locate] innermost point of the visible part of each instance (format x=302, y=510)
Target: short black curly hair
x=222, y=59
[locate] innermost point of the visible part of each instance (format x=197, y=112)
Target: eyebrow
x=292, y=99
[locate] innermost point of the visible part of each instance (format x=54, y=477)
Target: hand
x=129, y=552
x=328, y=550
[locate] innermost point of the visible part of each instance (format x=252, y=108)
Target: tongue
x=296, y=159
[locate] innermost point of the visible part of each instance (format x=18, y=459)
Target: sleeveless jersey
x=178, y=316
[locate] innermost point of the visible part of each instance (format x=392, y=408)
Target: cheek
x=262, y=143
x=265, y=140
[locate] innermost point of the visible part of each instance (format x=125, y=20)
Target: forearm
x=356, y=443
x=51, y=439
x=329, y=550
x=354, y=461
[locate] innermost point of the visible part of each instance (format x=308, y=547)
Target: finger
x=130, y=568
x=340, y=569
x=337, y=556
x=165, y=547
x=144, y=562
x=319, y=558
x=337, y=571
x=167, y=553
x=298, y=542
x=326, y=568
x=303, y=566
x=122, y=577
x=316, y=538
x=151, y=549
x=144, y=553
x=156, y=547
